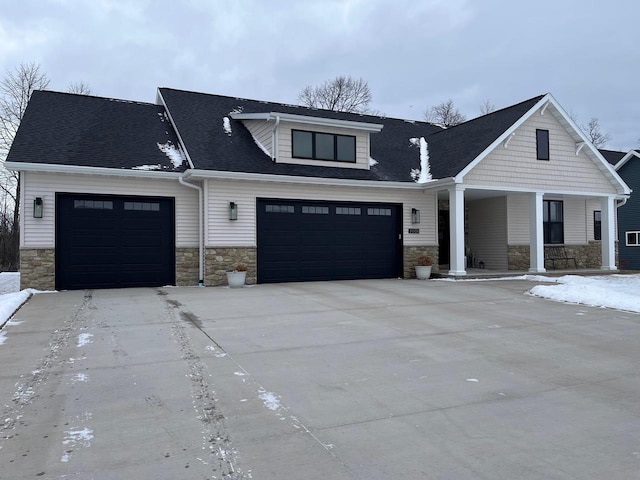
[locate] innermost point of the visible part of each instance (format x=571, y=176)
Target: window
x=347, y=210
x=279, y=209
x=386, y=212
x=597, y=225
x=93, y=204
x=542, y=144
x=142, y=206
x=315, y=210
x=323, y=146
x=633, y=239
x=553, y=223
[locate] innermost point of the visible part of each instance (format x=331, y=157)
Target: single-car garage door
x=108, y=241
x=306, y=240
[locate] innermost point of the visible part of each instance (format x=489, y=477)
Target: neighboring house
x=628, y=167
x=117, y=193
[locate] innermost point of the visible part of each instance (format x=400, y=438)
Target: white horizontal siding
x=242, y=232
x=40, y=232
x=517, y=166
x=261, y=131
x=518, y=219
x=488, y=231
x=578, y=219
x=285, y=148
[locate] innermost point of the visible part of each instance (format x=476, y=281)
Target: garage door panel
x=332, y=240
x=118, y=246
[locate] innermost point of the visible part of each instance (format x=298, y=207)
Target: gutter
x=200, y=227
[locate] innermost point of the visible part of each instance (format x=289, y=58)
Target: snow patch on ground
x=84, y=339
x=615, y=291
x=9, y=282
x=611, y=291
x=270, y=400
x=372, y=162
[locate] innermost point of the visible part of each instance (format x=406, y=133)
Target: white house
x=118, y=193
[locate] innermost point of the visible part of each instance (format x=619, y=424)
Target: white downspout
x=200, y=227
x=274, y=138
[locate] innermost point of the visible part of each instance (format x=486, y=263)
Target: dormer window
x=323, y=146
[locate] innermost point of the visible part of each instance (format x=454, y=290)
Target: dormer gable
x=308, y=140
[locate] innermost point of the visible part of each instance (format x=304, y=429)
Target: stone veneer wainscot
x=220, y=260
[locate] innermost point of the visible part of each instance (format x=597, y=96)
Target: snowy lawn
x=610, y=291
x=11, y=298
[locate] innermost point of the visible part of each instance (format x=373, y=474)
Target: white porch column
x=536, y=237
x=607, y=207
x=456, y=231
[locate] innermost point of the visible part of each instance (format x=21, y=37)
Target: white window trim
x=626, y=238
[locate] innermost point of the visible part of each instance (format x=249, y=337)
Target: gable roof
x=453, y=149
x=626, y=157
x=198, y=117
x=612, y=156
x=80, y=130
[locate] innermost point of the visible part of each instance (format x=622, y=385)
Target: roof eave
x=84, y=170
x=309, y=120
x=262, y=177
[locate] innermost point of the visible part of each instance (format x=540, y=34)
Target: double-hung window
x=323, y=146
x=553, y=221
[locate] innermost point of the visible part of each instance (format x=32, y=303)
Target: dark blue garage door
x=114, y=241
x=305, y=240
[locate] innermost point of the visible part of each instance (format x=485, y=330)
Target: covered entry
x=107, y=241
x=302, y=240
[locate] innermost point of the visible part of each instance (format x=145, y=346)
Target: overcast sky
x=413, y=53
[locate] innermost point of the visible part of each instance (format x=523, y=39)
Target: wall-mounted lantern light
x=233, y=211
x=38, y=206
x=415, y=215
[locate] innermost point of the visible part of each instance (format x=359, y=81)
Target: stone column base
x=220, y=260
x=37, y=268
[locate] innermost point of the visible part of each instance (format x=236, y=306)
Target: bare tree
x=15, y=91
x=444, y=114
x=595, y=133
x=487, y=107
x=80, y=88
x=342, y=94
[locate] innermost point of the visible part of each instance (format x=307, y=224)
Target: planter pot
x=236, y=279
x=423, y=272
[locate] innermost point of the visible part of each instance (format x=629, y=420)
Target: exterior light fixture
x=38, y=206
x=415, y=215
x=233, y=211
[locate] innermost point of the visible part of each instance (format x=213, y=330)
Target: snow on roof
x=175, y=154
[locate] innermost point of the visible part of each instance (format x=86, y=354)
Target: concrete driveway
x=335, y=380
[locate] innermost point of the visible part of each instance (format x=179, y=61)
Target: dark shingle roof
x=67, y=129
x=451, y=150
x=612, y=156
x=198, y=117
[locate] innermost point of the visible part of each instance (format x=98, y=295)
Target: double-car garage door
x=306, y=240
x=106, y=241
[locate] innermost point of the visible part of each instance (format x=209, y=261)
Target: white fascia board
x=337, y=182
x=626, y=158
x=460, y=177
x=308, y=120
x=82, y=170
x=563, y=193
x=159, y=98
